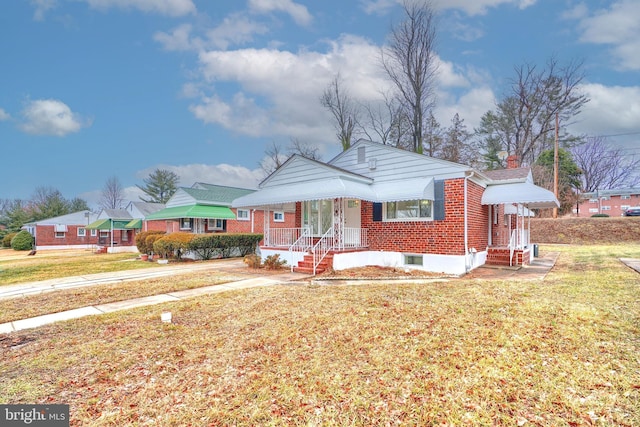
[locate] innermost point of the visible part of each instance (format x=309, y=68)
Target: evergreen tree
x=159, y=186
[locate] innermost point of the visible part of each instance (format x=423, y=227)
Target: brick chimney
x=512, y=162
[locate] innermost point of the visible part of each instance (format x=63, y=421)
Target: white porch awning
x=524, y=193
x=330, y=188
x=408, y=189
x=338, y=187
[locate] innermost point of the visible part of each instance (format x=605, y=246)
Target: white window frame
x=243, y=215
x=186, y=223
x=94, y=232
x=215, y=224
x=625, y=197
x=593, y=210
x=104, y=233
x=278, y=216
x=82, y=232
x=60, y=234
x=606, y=208
x=406, y=258
x=593, y=201
x=387, y=205
x=124, y=235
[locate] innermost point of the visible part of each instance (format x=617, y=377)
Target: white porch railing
x=513, y=242
x=353, y=238
x=322, y=248
x=282, y=237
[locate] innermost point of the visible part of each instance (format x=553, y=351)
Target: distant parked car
x=634, y=211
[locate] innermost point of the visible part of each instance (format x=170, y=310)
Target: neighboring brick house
x=375, y=204
x=609, y=202
x=206, y=208
x=64, y=232
x=117, y=228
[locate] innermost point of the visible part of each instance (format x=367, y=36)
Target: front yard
x=559, y=352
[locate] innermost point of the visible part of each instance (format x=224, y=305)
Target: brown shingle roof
x=507, y=174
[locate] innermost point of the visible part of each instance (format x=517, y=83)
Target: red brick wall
x=439, y=237
x=237, y=226
x=45, y=236
x=611, y=206
x=155, y=225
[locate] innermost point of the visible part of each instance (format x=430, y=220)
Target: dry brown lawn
x=559, y=352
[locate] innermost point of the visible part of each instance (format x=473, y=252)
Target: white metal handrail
x=512, y=246
x=322, y=248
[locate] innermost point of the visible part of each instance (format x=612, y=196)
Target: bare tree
x=112, y=194
x=275, y=155
x=337, y=100
x=605, y=167
x=410, y=62
x=385, y=121
x=525, y=120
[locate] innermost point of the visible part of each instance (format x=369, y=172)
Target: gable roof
x=367, y=171
x=115, y=214
x=146, y=208
x=74, y=218
x=206, y=194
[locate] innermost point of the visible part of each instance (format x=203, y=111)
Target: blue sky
x=90, y=89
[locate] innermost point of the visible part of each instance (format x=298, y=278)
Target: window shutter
x=377, y=211
x=438, y=202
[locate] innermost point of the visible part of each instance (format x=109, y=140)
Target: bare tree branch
x=336, y=99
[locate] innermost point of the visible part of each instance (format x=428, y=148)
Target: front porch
x=311, y=254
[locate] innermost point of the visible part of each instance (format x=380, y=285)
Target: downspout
x=253, y=215
x=467, y=267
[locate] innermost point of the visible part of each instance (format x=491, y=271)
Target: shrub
x=601, y=215
x=253, y=261
x=273, y=262
x=23, y=241
x=6, y=240
x=141, y=241
x=174, y=244
x=150, y=240
x=207, y=246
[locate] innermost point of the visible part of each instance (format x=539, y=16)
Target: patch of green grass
x=558, y=352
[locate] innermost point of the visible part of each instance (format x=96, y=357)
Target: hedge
x=141, y=240
x=208, y=246
x=172, y=245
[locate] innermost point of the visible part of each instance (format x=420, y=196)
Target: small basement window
x=412, y=259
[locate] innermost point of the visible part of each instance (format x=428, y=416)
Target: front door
x=352, y=222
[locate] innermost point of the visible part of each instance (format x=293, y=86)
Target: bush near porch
x=205, y=246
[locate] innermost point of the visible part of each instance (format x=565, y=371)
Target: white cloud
x=471, y=106
x=178, y=39
x=51, y=117
x=221, y=174
x=617, y=26
x=480, y=7
x=163, y=7
x=298, y=12
x=41, y=7
x=236, y=29
x=612, y=110
x=4, y=115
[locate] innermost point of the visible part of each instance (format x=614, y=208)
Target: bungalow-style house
x=64, y=232
x=613, y=202
x=206, y=208
x=374, y=204
x=117, y=228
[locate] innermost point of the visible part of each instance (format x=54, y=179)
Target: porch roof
x=524, y=193
x=193, y=211
x=340, y=187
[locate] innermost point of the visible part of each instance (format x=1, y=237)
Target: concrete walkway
x=536, y=271
x=232, y=266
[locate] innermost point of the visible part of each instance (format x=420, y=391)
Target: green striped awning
x=193, y=211
x=105, y=224
x=134, y=223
